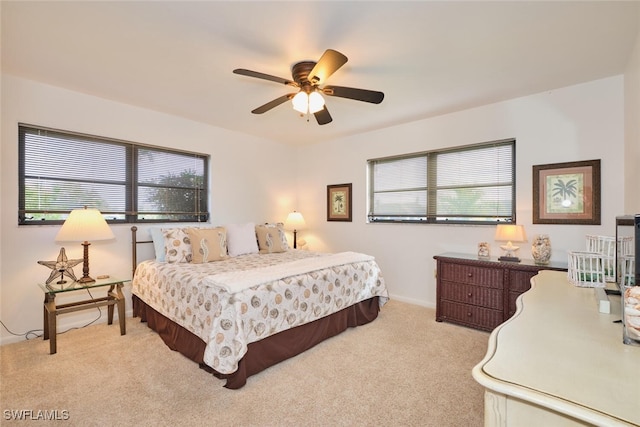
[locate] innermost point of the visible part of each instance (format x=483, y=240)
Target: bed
x=237, y=300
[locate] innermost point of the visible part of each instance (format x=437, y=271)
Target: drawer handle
x=469, y=274
x=469, y=314
x=470, y=295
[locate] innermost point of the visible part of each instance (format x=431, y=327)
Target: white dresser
x=559, y=362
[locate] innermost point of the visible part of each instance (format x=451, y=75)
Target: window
x=61, y=171
x=463, y=185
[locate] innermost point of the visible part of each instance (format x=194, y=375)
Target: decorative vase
x=541, y=249
x=483, y=250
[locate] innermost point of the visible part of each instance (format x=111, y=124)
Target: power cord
x=27, y=335
x=37, y=333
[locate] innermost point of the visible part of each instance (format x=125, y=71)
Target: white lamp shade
x=316, y=102
x=510, y=233
x=84, y=225
x=308, y=103
x=295, y=221
x=300, y=102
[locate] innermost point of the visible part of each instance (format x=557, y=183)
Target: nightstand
x=51, y=310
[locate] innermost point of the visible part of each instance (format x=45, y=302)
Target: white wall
x=632, y=129
x=582, y=122
x=243, y=188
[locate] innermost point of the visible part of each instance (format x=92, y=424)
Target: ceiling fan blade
x=365, y=95
x=264, y=76
x=272, y=104
x=323, y=117
x=330, y=61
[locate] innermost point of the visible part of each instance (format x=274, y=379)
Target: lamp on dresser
x=295, y=222
x=510, y=233
x=83, y=225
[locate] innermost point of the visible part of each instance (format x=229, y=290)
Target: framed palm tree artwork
x=339, y=202
x=567, y=193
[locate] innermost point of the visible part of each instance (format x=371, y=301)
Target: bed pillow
x=241, y=239
x=177, y=245
x=207, y=244
x=158, y=242
x=271, y=238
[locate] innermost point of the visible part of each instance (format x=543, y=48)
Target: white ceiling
x=428, y=57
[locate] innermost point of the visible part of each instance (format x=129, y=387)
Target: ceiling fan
x=309, y=77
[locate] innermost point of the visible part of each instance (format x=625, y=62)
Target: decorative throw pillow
x=207, y=244
x=271, y=238
x=158, y=242
x=177, y=245
x=241, y=239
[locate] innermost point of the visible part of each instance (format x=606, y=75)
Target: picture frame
x=339, y=202
x=567, y=193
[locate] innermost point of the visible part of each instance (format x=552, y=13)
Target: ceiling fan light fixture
x=308, y=103
x=301, y=102
x=316, y=102
x=309, y=78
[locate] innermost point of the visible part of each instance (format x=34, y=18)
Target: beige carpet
x=404, y=369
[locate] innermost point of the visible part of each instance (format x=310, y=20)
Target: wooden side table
x=51, y=310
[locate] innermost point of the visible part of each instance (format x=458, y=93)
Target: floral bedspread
x=228, y=322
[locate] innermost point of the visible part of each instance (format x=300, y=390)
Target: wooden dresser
x=482, y=294
x=560, y=362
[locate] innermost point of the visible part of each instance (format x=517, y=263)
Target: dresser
x=560, y=362
x=482, y=293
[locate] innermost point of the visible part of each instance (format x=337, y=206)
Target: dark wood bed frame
x=261, y=354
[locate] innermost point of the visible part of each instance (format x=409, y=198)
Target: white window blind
x=61, y=171
x=473, y=184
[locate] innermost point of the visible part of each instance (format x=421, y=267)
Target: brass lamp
x=83, y=225
x=510, y=233
x=295, y=222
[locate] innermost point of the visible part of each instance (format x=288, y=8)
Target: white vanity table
x=559, y=362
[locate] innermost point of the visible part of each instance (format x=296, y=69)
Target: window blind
x=61, y=171
x=472, y=184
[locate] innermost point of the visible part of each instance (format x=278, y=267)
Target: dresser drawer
x=472, y=294
x=472, y=275
x=470, y=315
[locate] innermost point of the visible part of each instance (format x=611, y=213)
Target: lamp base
x=509, y=259
x=85, y=264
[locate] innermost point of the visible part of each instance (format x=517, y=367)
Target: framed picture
x=567, y=193
x=339, y=202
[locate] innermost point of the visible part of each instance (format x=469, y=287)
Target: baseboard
x=412, y=301
x=65, y=326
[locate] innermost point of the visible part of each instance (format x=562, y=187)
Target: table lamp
x=294, y=222
x=83, y=225
x=510, y=233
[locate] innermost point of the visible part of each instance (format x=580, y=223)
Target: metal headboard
x=134, y=248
